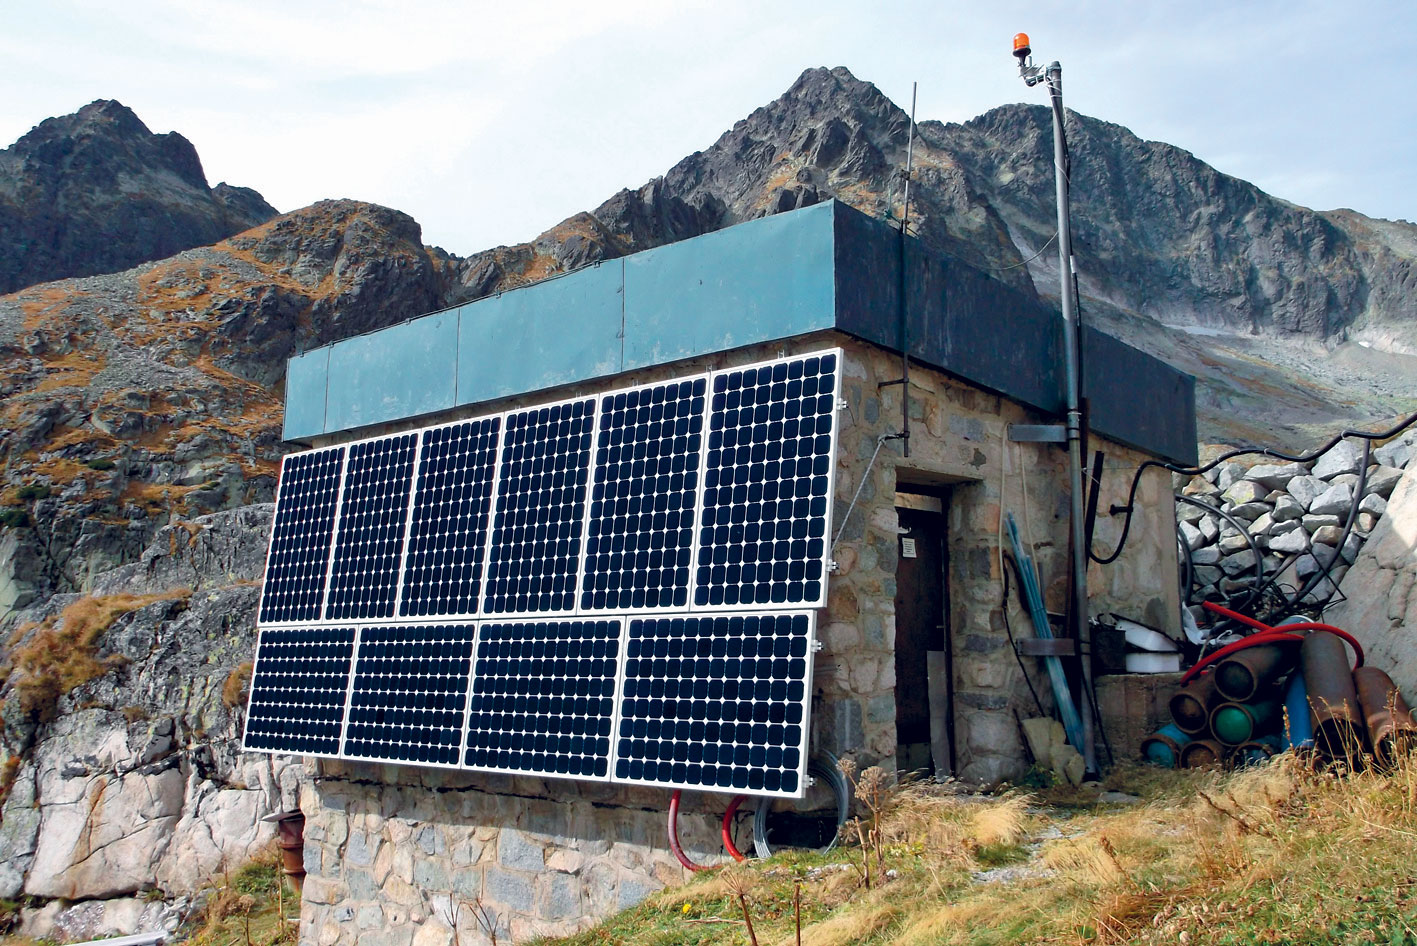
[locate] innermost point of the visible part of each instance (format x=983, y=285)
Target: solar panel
x=409, y=696
x=447, y=536
x=298, y=690
x=296, y=565
x=767, y=485
x=543, y=697
x=537, y=530
x=716, y=702
x=369, y=540
x=639, y=540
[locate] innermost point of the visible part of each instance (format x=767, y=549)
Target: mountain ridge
x=97, y=192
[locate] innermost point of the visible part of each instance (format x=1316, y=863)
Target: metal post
x=1072, y=394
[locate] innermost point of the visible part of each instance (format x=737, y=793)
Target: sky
x=491, y=122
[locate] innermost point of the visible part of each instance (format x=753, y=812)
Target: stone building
x=915, y=668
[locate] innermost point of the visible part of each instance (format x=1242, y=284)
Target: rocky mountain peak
x=97, y=191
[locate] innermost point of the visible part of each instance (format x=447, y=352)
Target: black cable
x=1008, y=629
x=1130, y=507
x=1236, y=524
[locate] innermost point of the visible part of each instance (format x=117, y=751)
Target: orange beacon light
x=1022, y=49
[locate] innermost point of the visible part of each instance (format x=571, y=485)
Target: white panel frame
x=349, y=696
x=695, y=508
x=619, y=677
x=756, y=607
x=493, y=485
x=495, y=513
x=329, y=552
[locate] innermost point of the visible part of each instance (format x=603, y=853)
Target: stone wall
x=392, y=851
x=959, y=442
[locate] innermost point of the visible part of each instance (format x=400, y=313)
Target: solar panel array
x=610, y=588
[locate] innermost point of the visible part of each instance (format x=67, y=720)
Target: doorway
x=924, y=671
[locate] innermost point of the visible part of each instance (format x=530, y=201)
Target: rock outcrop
x=134, y=781
x=132, y=398
x=96, y=192
x=1381, y=608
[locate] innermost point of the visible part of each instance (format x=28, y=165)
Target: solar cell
x=298, y=559
x=409, y=696
x=639, y=541
x=372, y=520
x=716, y=702
x=537, y=530
x=543, y=697
x=448, y=532
x=767, y=485
x=298, y=690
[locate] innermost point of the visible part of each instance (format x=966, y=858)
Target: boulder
x=1191, y=535
x=1381, y=480
x=1210, y=555
x=1327, y=535
x=1286, y=508
x=1244, y=491
x=1335, y=501
x=1210, y=527
x=1313, y=523
x=1275, y=476
x=1250, y=511
x=1238, y=563
x=1373, y=503
x=1396, y=453
x=1343, y=457
x=1381, y=589
x=1290, y=543
x=1305, y=489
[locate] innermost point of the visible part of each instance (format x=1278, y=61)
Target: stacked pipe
x=1283, y=687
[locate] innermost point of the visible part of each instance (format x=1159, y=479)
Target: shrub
x=99, y=463
x=233, y=691
x=14, y=519
x=33, y=491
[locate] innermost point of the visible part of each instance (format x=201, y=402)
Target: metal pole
x=1073, y=395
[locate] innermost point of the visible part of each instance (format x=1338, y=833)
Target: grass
x=1275, y=854
x=251, y=907
x=51, y=659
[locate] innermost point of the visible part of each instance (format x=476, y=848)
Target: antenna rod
x=904, y=285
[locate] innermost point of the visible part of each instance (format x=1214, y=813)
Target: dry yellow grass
x=50, y=659
x=1276, y=854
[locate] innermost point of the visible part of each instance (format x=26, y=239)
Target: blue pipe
x=1072, y=723
x=1299, y=727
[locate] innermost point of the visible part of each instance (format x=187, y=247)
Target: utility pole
x=1052, y=75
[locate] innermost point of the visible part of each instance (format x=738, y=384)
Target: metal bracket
x=1038, y=433
x=833, y=565
x=841, y=404
x=1048, y=647
x=816, y=647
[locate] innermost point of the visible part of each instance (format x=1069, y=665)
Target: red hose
x=1253, y=640
x=674, y=835
x=728, y=844
x=1281, y=634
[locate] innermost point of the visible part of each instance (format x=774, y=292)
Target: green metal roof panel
x=305, y=379
x=401, y=371
x=822, y=267
x=766, y=279
x=551, y=333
